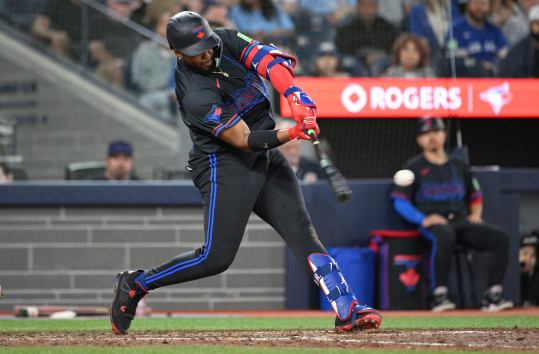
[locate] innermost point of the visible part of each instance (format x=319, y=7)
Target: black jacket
x=520, y=60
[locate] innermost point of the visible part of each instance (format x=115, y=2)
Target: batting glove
x=301, y=105
x=300, y=130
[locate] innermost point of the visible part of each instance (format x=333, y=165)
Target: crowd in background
x=357, y=38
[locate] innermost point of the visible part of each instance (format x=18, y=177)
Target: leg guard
x=329, y=278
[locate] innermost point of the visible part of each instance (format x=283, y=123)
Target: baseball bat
x=338, y=184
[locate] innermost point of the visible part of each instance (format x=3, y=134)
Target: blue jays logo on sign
x=214, y=115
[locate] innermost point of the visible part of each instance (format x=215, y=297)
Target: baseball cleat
x=127, y=294
x=362, y=318
x=494, y=301
x=442, y=303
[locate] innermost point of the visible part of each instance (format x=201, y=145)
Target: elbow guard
x=262, y=58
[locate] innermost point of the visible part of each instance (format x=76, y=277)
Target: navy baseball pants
x=481, y=237
x=232, y=185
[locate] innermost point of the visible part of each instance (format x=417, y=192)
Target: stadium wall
x=62, y=243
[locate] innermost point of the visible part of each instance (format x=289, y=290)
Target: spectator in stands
x=394, y=11
x=430, y=19
x=508, y=16
x=326, y=63
x=217, y=15
x=333, y=11
x=6, y=176
x=410, y=58
x=155, y=9
x=438, y=193
x=119, y=163
x=522, y=61
x=367, y=36
x=478, y=43
x=150, y=72
x=529, y=267
x=59, y=27
x=262, y=20
x=21, y=14
x=128, y=9
x=306, y=170
x=108, y=67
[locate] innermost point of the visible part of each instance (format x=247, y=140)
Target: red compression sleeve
x=279, y=76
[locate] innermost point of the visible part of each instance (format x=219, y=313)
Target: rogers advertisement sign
x=400, y=98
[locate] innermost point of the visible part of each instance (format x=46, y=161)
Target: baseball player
x=234, y=164
x=445, y=201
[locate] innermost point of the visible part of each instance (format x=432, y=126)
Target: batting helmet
x=190, y=34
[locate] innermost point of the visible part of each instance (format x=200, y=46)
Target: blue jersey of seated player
x=483, y=44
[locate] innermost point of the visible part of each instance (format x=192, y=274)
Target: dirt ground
x=473, y=339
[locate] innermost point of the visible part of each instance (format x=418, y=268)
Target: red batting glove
x=301, y=105
x=300, y=130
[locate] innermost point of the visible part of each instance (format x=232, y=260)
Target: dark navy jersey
x=212, y=102
x=442, y=189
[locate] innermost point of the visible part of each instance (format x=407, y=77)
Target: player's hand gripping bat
x=340, y=187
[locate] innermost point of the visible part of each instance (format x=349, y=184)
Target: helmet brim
x=200, y=47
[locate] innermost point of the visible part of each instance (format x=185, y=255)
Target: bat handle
x=313, y=136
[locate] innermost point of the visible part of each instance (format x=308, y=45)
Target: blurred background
x=85, y=81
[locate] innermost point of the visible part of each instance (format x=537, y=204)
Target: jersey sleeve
x=255, y=56
x=205, y=111
x=474, y=195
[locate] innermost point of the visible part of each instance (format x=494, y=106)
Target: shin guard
x=329, y=278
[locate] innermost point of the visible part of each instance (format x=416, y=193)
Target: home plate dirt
x=480, y=340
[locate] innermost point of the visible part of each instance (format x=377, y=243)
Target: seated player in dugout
x=437, y=192
x=236, y=167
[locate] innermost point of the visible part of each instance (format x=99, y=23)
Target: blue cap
x=327, y=48
x=120, y=147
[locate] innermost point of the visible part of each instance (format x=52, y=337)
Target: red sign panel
x=413, y=98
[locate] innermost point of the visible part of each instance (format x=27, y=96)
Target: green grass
x=240, y=323
x=259, y=323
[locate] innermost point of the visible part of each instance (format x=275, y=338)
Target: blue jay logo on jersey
x=214, y=115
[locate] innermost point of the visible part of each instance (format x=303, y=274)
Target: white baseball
x=404, y=178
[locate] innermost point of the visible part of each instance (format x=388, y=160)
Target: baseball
x=404, y=178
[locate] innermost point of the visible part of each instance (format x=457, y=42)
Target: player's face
x=432, y=141
x=203, y=61
x=326, y=65
x=527, y=259
x=478, y=9
x=119, y=167
x=409, y=56
x=534, y=29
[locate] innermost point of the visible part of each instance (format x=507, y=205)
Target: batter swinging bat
x=337, y=182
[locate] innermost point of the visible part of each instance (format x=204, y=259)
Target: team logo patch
x=214, y=116
x=199, y=32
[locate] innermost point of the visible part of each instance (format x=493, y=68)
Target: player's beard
x=203, y=69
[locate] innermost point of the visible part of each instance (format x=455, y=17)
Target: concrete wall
x=70, y=255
